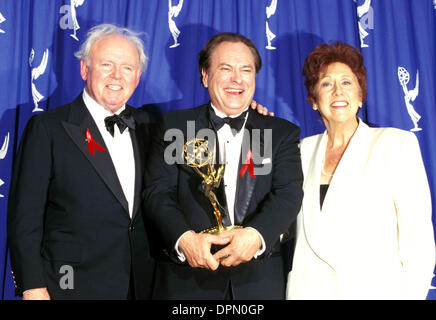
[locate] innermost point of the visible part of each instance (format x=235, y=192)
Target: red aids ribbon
x=92, y=143
x=248, y=164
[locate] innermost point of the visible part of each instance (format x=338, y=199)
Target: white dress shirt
x=119, y=146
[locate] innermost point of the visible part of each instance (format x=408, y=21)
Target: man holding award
x=223, y=183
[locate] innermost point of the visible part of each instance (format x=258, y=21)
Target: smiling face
x=338, y=94
x=230, y=79
x=112, y=73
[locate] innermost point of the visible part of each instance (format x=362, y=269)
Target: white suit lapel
x=327, y=229
x=312, y=218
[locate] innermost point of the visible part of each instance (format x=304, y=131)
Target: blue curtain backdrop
x=38, y=70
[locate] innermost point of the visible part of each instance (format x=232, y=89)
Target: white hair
x=103, y=30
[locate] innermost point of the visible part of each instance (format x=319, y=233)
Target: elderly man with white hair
x=75, y=225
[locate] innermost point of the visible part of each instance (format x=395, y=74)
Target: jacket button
x=131, y=228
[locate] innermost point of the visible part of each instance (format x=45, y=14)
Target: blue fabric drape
x=397, y=39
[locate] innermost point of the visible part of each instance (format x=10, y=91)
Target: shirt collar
x=223, y=115
x=98, y=112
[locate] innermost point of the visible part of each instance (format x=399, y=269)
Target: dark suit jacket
x=66, y=207
x=269, y=203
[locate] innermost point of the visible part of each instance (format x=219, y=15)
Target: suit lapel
x=78, y=122
x=245, y=184
x=335, y=213
x=202, y=118
x=138, y=136
x=312, y=217
x=350, y=168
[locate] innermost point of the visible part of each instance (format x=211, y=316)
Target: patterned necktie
x=234, y=123
x=123, y=120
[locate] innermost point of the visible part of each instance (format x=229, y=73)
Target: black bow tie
x=234, y=123
x=123, y=120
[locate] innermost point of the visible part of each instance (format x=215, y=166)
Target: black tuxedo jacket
x=269, y=203
x=67, y=208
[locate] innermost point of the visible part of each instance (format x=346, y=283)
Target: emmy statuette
x=198, y=156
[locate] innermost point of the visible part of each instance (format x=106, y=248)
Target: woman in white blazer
x=365, y=228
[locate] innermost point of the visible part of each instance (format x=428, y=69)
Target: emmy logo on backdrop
x=36, y=73
x=69, y=19
x=1, y=183
x=404, y=77
x=2, y=19
x=3, y=152
x=365, y=14
x=74, y=5
x=434, y=275
x=197, y=155
x=173, y=12
x=270, y=10
x=4, y=149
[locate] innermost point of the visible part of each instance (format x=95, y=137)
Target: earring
x=314, y=107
